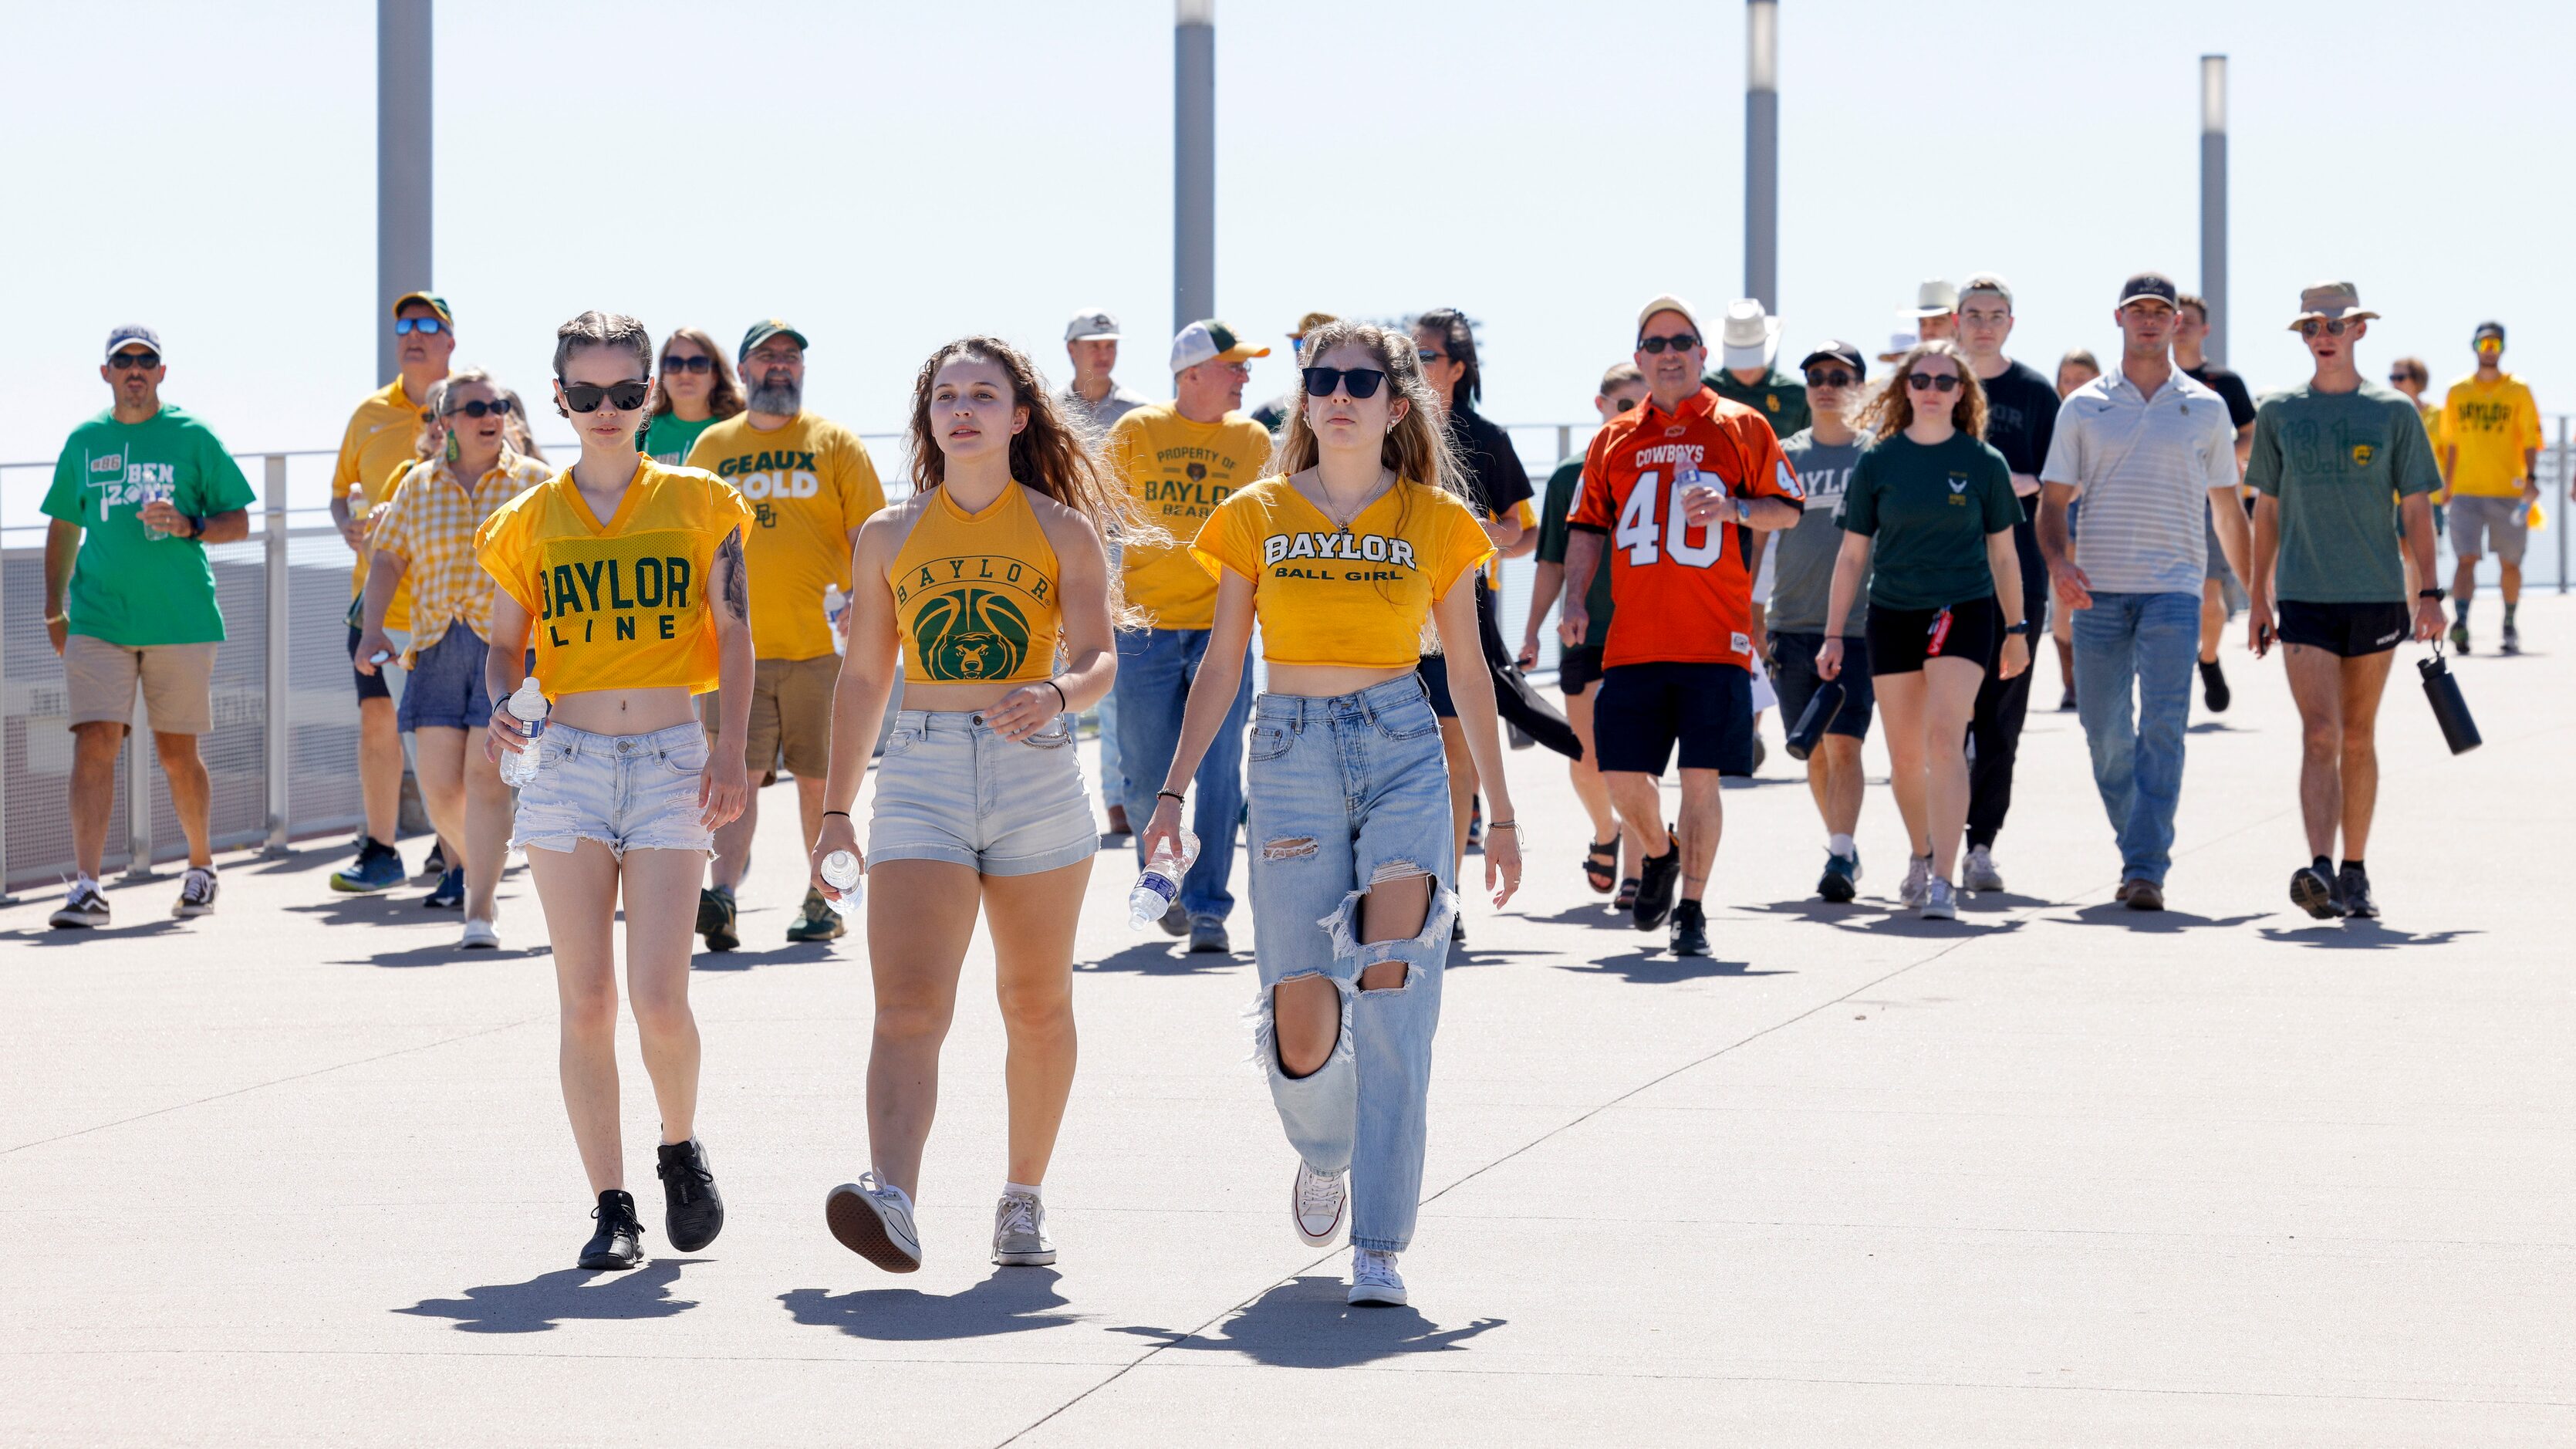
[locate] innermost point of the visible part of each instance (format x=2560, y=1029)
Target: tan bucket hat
x=2328, y=302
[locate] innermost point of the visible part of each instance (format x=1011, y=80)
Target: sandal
x=1627, y=898
x=1601, y=865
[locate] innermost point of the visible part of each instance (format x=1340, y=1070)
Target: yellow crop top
x=622, y=605
x=975, y=593
x=1357, y=597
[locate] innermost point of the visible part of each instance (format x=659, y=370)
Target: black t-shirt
x=2230, y=389
x=1496, y=481
x=2021, y=416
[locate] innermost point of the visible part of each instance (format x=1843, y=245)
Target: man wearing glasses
x=380, y=445
x=2152, y=455
x=2490, y=450
x=1094, y=396
x=138, y=493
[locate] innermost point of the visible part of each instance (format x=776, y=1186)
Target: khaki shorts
x=177, y=680
x=791, y=716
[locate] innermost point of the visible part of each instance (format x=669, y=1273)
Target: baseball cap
x=1935, y=298
x=1988, y=282
x=1833, y=351
x=432, y=300
x=1670, y=303
x=1210, y=341
x=133, y=332
x=762, y=331
x=1092, y=326
x=2488, y=329
x=2329, y=301
x=2150, y=284
x=1750, y=337
x=1310, y=322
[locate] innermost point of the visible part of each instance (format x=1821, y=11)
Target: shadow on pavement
x=569, y=1295
x=1166, y=957
x=792, y=953
x=1304, y=1323
x=2359, y=936
x=446, y=953
x=1649, y=966
x=1013, y=1300
x=49, y=936
x=2149, y=923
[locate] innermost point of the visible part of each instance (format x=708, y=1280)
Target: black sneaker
x=1841, y=880
x=1659, y=876
x=692, y=1211
x=619, y=1243
x=448, y=894
x=2509, y=642
x=2311, y=892
x=84, y=908
x=2213, y=687
x=2352, y=888
x=1690, y=929
x=432, y=866
x=715, y=919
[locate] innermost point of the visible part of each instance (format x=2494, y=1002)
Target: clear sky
x=888, y=175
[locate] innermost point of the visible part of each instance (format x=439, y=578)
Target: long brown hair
x=1892, y=411
x=724, y=394
x=1416, y=447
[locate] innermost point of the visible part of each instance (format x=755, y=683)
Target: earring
x=453, y=452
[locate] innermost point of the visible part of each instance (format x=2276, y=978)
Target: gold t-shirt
x=379, y=447
x=1355, y=597
x=1179, y=472
x=808, y=485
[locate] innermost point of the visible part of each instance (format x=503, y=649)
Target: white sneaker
x=1316, y=1201
x=1980, y=873
x=196, y=893
x=1374, y=1279
x=481, y=936
x=1019, y=1232
x=1940, y=901
x=875, y=1222
x=1918, y=874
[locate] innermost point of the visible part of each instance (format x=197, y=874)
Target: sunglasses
x=1432, y=354
x=480, y=409
x=135, y=361
x=2332, y=328
x=1626, y=404
x=1835, y=378
x=1325, y=381
x=406, y=326
x=623, y=397
x=2402, y=378
x=700, y=363
x=1678, y=342
x=1932, y=381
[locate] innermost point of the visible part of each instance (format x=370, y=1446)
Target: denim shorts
x=628, y=792
x=445, y=691
x=951, y=788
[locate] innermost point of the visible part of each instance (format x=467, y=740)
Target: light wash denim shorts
x=951, y=788
x=628, y=792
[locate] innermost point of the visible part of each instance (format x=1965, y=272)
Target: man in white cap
x=1935, y=310
x=1091, y=341
x=1181, y=459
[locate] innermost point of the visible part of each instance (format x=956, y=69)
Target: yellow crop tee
x=975, y=593
x=1356, y=597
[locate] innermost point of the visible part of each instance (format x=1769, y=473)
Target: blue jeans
x=1347, y=791
x=1155, y=667
x=2153, y=641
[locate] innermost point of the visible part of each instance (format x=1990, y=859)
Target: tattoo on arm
x=737, y=585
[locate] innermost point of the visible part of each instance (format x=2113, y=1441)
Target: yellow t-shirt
x=809, y=484
x=1356, y=597
x=1179, y=472
x=620, y=605
x=2491, y=423
x=377, y=450
x=975, y=593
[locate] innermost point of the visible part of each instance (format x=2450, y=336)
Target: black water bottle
x=1822, y=706
x=2449, y=709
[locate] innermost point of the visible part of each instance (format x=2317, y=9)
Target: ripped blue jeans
x=1348, y=791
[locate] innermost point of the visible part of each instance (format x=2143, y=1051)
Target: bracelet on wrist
x=1175, y=796
x=828, y=814
x=1062, y=702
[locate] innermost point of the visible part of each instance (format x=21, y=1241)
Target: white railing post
x=2563, y=458
x=138, y=794
x=276, y=730
x=1564, y=441
x=6, y=899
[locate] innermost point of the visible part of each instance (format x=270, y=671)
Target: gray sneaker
x=1019, y=1232
x=1918, y=873
x=1176, y=921
x=1940, y=901
x=1980, y=873
x=1208, y=935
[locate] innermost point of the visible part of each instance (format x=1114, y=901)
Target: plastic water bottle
x=836, y=605
x=528, y=709
x=1160, y=883
x=841, y=873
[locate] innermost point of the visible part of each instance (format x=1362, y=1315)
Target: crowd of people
x=716, y=591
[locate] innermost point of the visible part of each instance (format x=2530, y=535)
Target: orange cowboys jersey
x=1682, y=591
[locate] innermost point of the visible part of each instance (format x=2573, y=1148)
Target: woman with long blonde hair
x=973, y=587
x=1361, y=543
x=1929, y=514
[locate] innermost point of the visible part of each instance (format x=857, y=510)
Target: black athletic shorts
x=1794, y=677
x=1644, y=709
x=1578, y=670
x=370, y=686
x=1901, y=639
x=2348, y=630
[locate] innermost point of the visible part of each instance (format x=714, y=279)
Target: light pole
x=2213, y=202
x=403, y=50
x=1762, y=152
x=1193, y=162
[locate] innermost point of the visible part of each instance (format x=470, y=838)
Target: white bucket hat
x=1748, y=338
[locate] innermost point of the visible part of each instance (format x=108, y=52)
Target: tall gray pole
x=2213, y=201
x=1762, y=152
x=1193, y=162
x=402, y=164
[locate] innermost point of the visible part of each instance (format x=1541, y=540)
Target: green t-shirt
x=1562, y=485
x=2339, y=462
x=129, y=588
x=668, y=438
x=1928, y=511
x=1779, y=398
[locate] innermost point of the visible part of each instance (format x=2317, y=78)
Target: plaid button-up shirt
x=431, y=528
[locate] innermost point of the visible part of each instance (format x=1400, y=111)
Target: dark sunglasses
x=406, y=326
x=1325, y=381
x=481, y=409
x=700, y=363
x=128, y=361
x=1835, y=378
x=2403, y=378
x=585, y=397
x=2332, y=328
x=1678, y=342
x=1933, y=382
x=1626, y=404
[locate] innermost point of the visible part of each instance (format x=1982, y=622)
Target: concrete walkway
x=2053, y=1174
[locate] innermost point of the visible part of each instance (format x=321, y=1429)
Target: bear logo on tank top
x=970, y=634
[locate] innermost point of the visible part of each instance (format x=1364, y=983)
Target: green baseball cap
x=431, y=300
x=762, y=331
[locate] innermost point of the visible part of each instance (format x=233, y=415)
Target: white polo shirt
x=2143, y=467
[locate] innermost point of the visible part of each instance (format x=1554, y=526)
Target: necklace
x=1323, y=502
